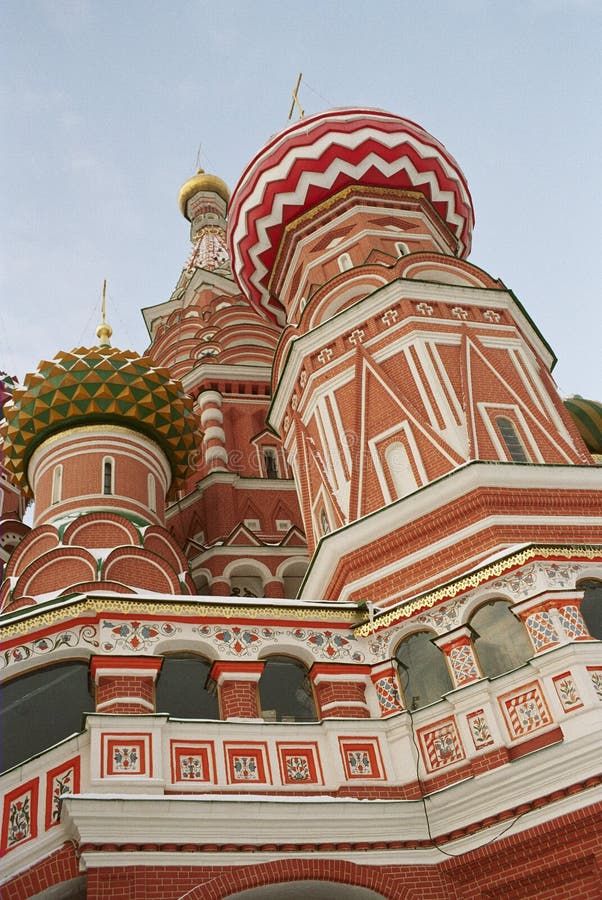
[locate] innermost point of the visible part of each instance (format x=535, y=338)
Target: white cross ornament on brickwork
x=390, y=317
x=491, y=315
x=459, y=313
x=325, y=355
x=425, y=309
x=356, y=336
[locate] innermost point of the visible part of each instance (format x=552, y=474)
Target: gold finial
x=296, y=99
x=104, y=330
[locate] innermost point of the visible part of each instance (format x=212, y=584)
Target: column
x=237, y=688
x=386, y=684
x=125, y=685
x=458, y=648
x=553, y=618
x=341, y=690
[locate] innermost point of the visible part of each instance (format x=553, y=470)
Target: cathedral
x=310, y=602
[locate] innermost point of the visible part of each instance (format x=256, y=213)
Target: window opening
x=345, y=262
x=324, y=523
x=270, y=461
x=285, y=691
x=107, y=476
x=423, y=670
x=501, y=643
x=511, y=439
x=591, y=606
x=57, y=485
x=152, y=493
x=184, y=689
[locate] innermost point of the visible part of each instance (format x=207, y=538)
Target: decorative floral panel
x=525, y=710
x=596, y=676
x=20, y=815
x=479, y=729
x=362, y=758
x=126, y=754
x=247, y=763
x=299, y=764
x=567, y=691
x=193, y=762
x=440, y=745
x=63, y=779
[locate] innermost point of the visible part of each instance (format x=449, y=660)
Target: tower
x=190, y=713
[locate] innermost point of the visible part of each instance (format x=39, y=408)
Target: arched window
x=511, y=439
x=591, y=606
x=108, y=465
x=57, y=485
x=285, y=693
x=400, y=469
x=501, y=643
x=423, y=670
x=152, y=492
x=41, y=708
x=182, y=688
x=345, y=262
x=402, y=249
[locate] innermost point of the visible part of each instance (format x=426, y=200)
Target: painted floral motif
x=87, y=634
x=441, y=745
x=479, y=729
x=297, y=768
x=19, y=820
x=64, y=783
x=237, y=641
x=520, y=582
x=596, y=677
x=359, y=762
x=191, y=768
x=379, y=646
x=245, y=768
x=330, y=644
x=136, y=636
x=526, y=711
x=562, y=575
x=567, y=692
x=444, y=617
x=126, y=759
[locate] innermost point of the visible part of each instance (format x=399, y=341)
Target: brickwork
x=239, y=699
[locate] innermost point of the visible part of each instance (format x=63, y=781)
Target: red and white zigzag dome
x=319, y=156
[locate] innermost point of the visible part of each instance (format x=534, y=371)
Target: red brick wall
x=239, y=699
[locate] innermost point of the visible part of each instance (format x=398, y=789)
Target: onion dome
x=317, y=157
x=202, y=181
x=99, y=385
x=587, y=416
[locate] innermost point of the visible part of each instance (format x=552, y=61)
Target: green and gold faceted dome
x=587, y=416
x=99, y=385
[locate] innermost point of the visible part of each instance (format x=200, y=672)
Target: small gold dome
x=202, y=182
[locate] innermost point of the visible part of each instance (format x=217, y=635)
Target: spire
x=104, y=330
x=203, y=201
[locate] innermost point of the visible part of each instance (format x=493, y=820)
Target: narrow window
x=57, y=485
x=511, y=439
x=107, y=476
x=285, y=691
x=400, y=469
x=324, y=523
x=402, y=249
x=345, y=262
x=152, y=493
x=270, y=461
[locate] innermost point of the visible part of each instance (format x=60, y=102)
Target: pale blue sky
x=103, y=106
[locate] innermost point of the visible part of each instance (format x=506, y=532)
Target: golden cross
x=296, y=99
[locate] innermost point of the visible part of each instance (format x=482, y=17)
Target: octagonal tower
x=403, y=372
